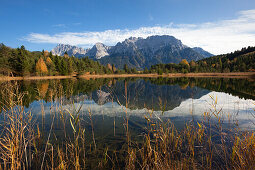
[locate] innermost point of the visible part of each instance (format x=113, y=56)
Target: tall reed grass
x=18, y=138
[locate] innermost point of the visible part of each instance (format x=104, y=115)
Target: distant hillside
x=238, y=61
x=241, y=60
x=137, y=52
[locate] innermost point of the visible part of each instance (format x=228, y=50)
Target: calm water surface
x=112, y=101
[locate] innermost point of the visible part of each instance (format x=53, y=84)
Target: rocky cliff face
x=202, y=52
x=60, y=50
x=98, y=51
x=149, y=45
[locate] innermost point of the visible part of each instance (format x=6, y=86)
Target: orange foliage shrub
x=184, y=61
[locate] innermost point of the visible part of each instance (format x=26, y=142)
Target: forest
x=21, y=62
x=238, y=61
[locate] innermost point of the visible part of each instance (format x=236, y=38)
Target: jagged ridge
x=137, y=52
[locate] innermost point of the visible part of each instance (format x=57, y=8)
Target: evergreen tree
x=70, y=66
x=64, y=67
x=126, y=69
x=146, y=71
x=24, y=65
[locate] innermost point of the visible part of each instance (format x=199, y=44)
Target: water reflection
x=112, y=101
x=181, y=98
x=110, y=94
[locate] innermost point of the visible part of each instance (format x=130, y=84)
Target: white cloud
x=216, y=37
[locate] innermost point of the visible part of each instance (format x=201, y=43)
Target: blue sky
x=218, y=26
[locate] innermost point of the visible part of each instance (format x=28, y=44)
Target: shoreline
x=89, y=76
x=35, y=78
x=219, y=75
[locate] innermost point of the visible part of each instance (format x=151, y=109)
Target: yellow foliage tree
x=41, y=67
x=185, y=62
x=48, y=61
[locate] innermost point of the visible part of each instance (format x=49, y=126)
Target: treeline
x=237, y=87
x=21, y=62
x=239, y=61
x=49, y=90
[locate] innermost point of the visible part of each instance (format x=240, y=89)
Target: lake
x=108, y=109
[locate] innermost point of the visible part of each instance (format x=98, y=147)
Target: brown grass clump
x=243, y=151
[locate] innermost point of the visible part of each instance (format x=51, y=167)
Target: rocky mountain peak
x=132, y=39
x=98, y=51
x=60, y=50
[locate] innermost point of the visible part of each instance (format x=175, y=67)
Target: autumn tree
x=184, y=62
x=45, y=53
x=50, y=66
x=41, y=68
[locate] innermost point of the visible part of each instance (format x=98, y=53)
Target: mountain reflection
x=135, y=94
x=178, y=99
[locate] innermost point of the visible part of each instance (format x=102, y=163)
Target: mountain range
x=137, y=52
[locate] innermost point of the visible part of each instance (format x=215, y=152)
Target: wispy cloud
x=216, y=37
x=151, y=18
x=59, y=25
x=77, y=23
